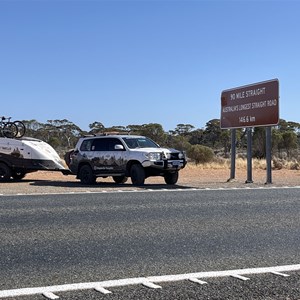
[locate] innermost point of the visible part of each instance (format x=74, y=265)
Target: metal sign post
x=268, y=154
x=233, y=154
x=249, y=155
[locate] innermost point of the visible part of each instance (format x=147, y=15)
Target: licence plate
x=176, y=163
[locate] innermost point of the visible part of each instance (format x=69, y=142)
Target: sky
x=123, y=62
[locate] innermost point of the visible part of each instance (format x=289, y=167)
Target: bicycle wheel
x=21, y=128
x=10, y=130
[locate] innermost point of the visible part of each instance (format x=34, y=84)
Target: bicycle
x=9, y=129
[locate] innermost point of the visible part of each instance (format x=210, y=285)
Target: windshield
x=140, y=142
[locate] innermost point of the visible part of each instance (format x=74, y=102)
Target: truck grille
x=174, y=156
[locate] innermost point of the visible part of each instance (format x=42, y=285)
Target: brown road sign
x=251, y=105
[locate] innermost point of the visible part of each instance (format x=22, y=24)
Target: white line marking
x=102, y=290
x=49, y=290
x=200, y=189
x=239, y=277
x=280, y=274
x=196, y=280
x=50, y=295
x=227, y=273
x=151, y=285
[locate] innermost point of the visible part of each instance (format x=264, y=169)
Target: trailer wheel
x=86, y=175
x=5, y=172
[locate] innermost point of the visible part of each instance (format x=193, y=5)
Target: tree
x=182, y=129
x=155, y=132
x=259, y=142
x=96, y=127
x=196, y=136
x=277, y=141
x=225, y=141
x=65, y=131
x=178, y=142
x=32, y=127
x=134, y=129
x=289, y=140
x=212, y=133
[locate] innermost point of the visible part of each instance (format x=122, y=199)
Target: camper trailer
x=21, y=156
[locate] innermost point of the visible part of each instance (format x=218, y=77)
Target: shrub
x=200, y=154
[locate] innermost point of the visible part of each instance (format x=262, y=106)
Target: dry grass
x=241, y=164
x=221, y=164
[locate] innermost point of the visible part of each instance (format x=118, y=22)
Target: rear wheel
x=18, y=175
x=5, y=172
x=137, y=174
x=171, y=178
x=120, y=179
x=86, y=175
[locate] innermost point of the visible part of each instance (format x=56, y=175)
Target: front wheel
x=171, y=178
x=5, y=172
x=137, y=174
x=86, y=175
x=21, y=128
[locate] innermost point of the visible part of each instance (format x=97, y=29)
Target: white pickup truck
x=123, y=156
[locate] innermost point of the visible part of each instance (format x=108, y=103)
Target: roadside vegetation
x=208, y=147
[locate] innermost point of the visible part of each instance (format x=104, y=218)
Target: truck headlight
x=181, y=155
x=153, y=155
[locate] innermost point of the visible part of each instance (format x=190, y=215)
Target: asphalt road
x=48, y=240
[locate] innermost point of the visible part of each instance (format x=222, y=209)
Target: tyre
x=86, y=175
x=5, y=172
x=21, y=128
x=18, y=175
x=10, y=130
x=137, y=174
x=171, y=178
x=120, y=179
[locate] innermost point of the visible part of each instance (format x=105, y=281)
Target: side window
x=100, y=145
x=86, y=145
x=103, y=144
x=112, y=142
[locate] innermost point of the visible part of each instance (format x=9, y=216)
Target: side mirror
x=119, y=147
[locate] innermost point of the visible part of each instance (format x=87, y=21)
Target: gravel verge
x=191, y=177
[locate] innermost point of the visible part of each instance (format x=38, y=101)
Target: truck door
x=107, y=159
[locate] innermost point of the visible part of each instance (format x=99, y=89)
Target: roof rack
x=107, y=133
x=115, y=133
